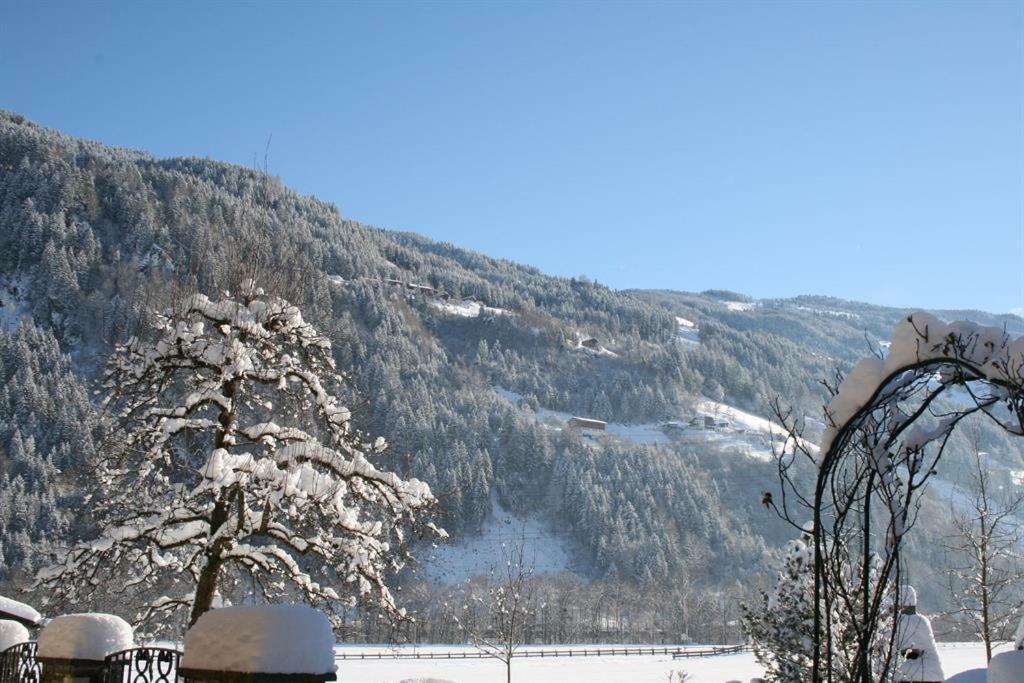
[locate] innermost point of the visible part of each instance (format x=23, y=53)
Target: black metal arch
x=866, y=484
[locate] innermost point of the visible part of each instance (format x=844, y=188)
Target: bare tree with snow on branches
x=507, y=603
x=236, y=461
x=984, y=571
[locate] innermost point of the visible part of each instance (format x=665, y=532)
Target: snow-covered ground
x=749, y=422
x=956, y=658
x=466, y=309
x=13, y=308
x=452, y=563
x=689, y=333
x=594, y=351
x=827, y=312
x=649, y=433
x=739, y=305
x=755, y=442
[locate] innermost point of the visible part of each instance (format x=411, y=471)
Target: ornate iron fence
x=18, y=664
x=144, y=665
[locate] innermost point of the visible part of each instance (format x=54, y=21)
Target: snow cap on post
x=90, y=636
x=908, y=596
x=266, y=639
x=1007, y=667
x=19, y=612
x=12, y=633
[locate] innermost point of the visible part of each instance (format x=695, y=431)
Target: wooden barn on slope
x=586, y=423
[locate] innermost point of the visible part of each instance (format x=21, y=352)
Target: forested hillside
x=468, y=365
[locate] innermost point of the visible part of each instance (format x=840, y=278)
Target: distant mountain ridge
x=432, y=334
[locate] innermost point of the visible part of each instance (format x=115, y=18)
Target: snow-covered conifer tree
x=780, y=623
x=236, y=461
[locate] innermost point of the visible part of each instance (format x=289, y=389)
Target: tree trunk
x=206, y=588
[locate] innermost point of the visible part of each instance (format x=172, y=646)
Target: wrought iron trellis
x=18, y=664
x=144, y=665
x=869, y=478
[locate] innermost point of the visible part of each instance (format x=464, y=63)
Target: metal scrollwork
x=18, y=664
x=144, y=665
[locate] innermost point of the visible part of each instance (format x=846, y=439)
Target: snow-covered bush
x=780, y=623
x=918, y=657
x=85, y=636
x=279, y=639
x=236, y=461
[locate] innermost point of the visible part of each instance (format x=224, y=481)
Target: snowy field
x=543, y=549
x=956, y=658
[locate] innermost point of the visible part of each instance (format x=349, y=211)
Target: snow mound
x=12, y=633
x=90, y=636
x=19, y=611
x=1007, y=667
x=284, y=639
x=914, y=636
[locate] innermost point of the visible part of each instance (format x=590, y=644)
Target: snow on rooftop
x=18, y=610
x=284, y=639
x=90, y=636
x=12, y=633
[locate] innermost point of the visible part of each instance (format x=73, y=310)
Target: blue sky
x=872, y=151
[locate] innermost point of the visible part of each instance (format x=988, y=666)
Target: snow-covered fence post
x=72, y=648
x=12, y=610
x=885, y=431
x=260, y=644
x=1008, y=667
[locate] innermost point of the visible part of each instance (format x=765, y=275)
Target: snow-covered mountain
x=473, y=368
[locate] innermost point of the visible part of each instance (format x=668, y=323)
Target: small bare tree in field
x=985, y=576
x=507, y=606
